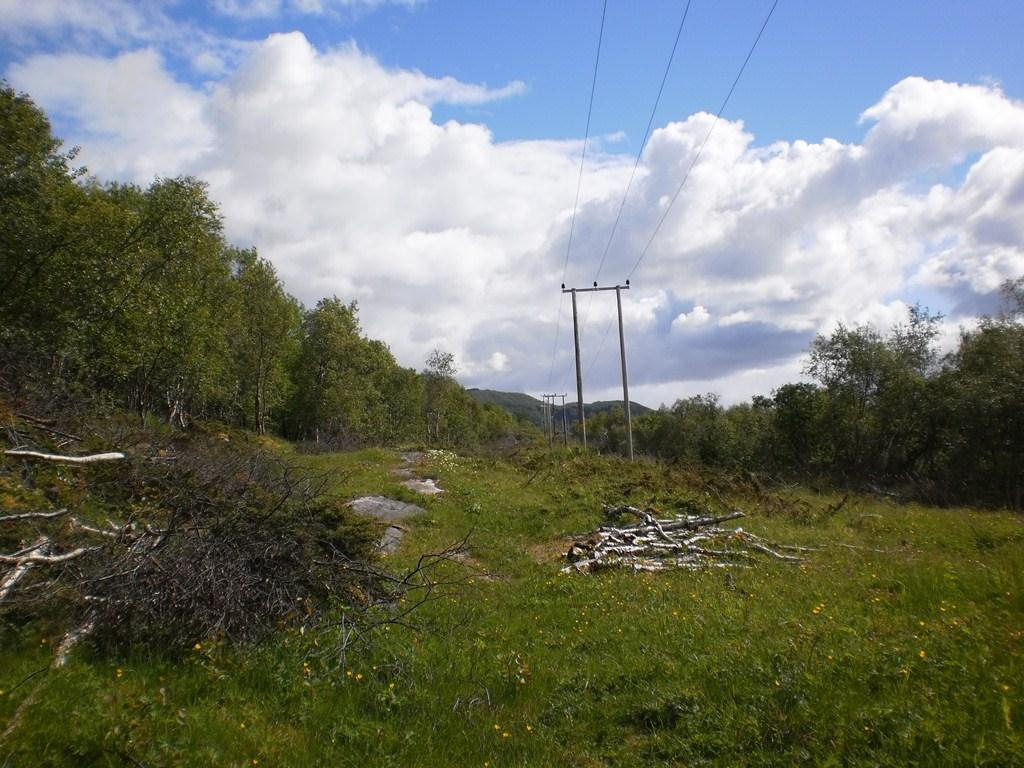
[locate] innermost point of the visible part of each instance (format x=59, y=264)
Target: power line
x=700, y=151
x=579, y=184
x=647, y=133
x=586, y=138
x=632, y=174
x=693, y=162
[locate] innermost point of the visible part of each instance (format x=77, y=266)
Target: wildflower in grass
x=529, y=728
x=505, y=734
x=348, y=673
x=921, y=653
x=497, y=727
x=197, y=647
x=391, y=686
x=241, y=726
x=359, y=676
x=119, y=672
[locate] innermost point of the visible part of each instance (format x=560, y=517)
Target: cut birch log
x=111, y=456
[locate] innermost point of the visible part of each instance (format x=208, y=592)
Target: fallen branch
x=71, y=639
x=22, y=567
x=37, y=558
x=112, y=456
x=32, y=516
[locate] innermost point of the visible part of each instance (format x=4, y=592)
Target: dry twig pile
x=689, y=542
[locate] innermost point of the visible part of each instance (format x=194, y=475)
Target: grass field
x=899, y=642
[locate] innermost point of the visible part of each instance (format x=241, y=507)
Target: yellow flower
x=198, y=646
x=349, y=673
x=242, y=726
x=921, y=653
x=359, y=676
x=529, y=728
x=391, y=686
x=497, y=727
x=505, y=734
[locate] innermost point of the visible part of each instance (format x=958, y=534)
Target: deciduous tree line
x=883, y=409
x=135, y=294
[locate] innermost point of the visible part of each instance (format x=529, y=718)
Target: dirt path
x=392, y=510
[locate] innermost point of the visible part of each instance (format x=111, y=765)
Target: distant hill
x=528, y=408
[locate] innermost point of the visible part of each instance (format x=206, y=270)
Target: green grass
x=898, y=643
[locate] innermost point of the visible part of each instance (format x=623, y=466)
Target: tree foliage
x=134, y=293
x=883, y=410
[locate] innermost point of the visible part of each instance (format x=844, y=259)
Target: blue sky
x=818, y=67
x=394, y=151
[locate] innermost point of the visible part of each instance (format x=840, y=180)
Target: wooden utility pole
x=625, y=378
x=622, y=352
x=579, y=369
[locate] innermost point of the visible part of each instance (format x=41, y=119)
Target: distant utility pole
x=622, y=353
x=546, y=419
x=552, y=422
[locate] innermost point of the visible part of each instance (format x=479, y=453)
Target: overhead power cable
x=643, y=143
x=693, y=162
x=636, y=164
x=700, y=151
x=579, y=184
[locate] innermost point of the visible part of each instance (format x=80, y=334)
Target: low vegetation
x=898, y=643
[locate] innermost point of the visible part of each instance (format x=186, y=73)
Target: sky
x=422, y=157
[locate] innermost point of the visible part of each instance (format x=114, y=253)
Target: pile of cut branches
x=182, y=539
x=689, y=542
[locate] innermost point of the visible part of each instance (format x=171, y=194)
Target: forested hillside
x=531, y=409
x=111, y=292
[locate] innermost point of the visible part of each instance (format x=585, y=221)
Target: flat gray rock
x=384, y=508
x=389, y=510
x=425, y=486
